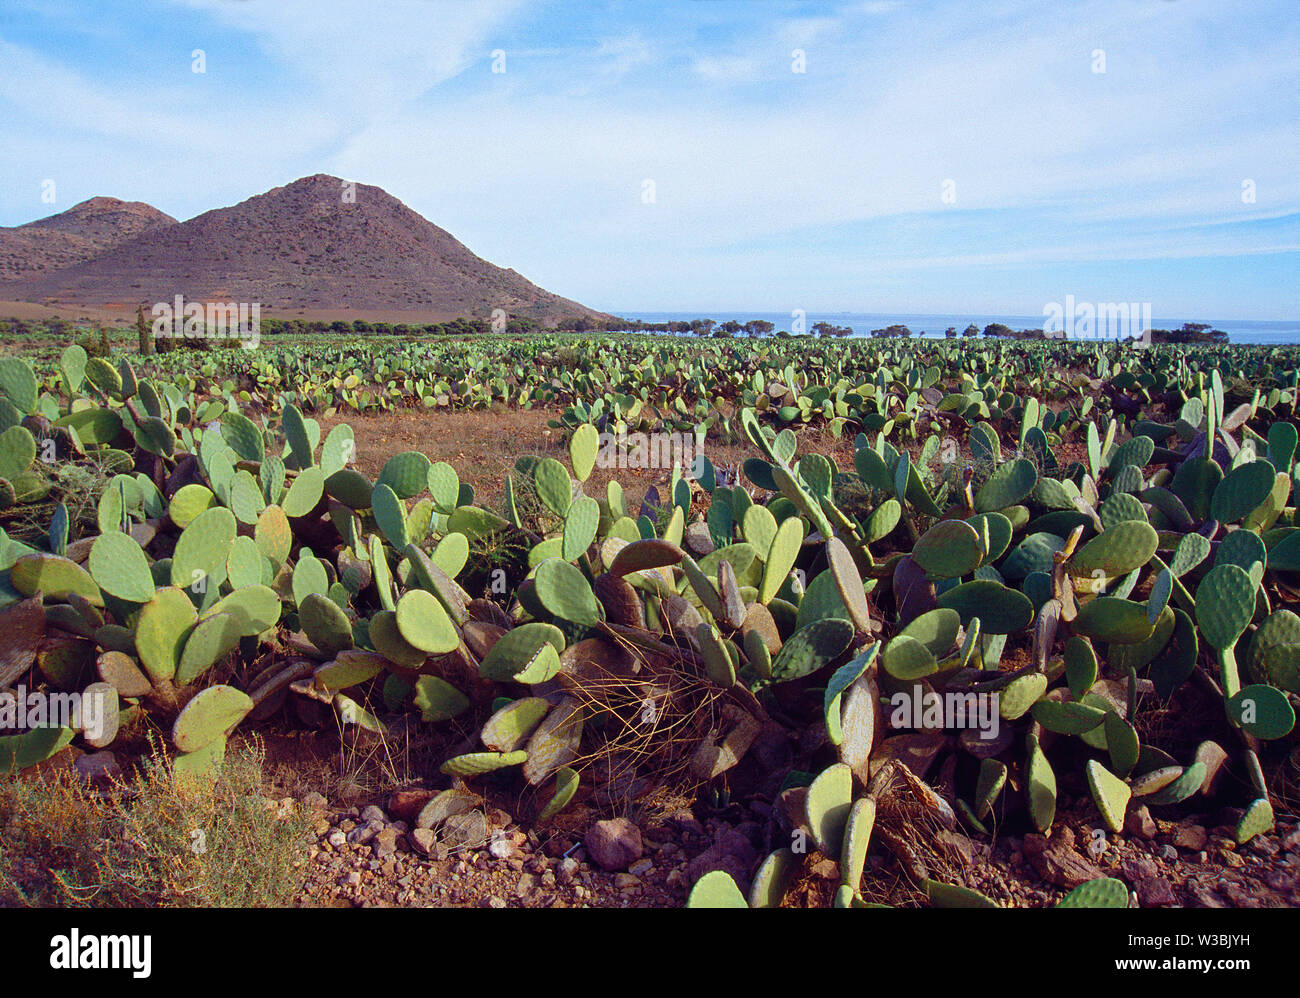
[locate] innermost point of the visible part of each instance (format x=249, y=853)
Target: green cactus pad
x=773, y=879
x=949, y=549
x=906, y=658
x=565, y=592
x=1080, y=666
x=255, y=609
x=580, y=525
x=882, y=521
x=992, y=778
x=162, y=631
x=955, y=896
x=1225, y=602
x=198, y=563
x=1104, y=892
x=305, y=493
x=510, y=727
x=437, y=700
x=566, y=785
x=18, y=384
x=325, y=624
x=54, y=577
x=1241, y=490
x=1041, y=788
x=843, y=677
x=780, y=558
x=1010, y=483
x=1114, y=620
x=1000, y=610
x=1184, y=785
x=1262, y=711
x=347, y=669
x=554, y=486
x=717, y=662
x=811, y=648
x=424, y=624
x=120, y=568
x=1121, y=743
x=209, y=642
x=1109, y=793
x=210, y=715
x=716, y=889
x=309, y=576
x=584, y=446
x=857, y=837
x=478, y=763
x=348, y=486
x=1257, y=820
x=827, y=806
x=390, y=515
x=188, y=502
x=1067, y=718
x=406, y=474
x=1117, y=550
x=516, y=648
x=243, y=436
x=1019, y=695
x=17, y=451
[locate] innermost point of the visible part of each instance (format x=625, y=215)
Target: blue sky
x=773, y=189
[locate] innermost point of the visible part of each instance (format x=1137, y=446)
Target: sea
x=1270, y=333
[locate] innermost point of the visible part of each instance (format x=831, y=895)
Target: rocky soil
x=377, y=856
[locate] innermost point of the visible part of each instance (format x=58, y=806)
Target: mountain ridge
x=318, y=243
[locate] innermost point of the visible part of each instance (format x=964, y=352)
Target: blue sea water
x=1238, y=330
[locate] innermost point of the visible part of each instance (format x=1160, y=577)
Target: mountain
x=81, y=233
x=302, y=246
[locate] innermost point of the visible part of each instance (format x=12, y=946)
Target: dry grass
x=150, y=840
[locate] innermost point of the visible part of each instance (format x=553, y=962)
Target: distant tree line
x=516, y=325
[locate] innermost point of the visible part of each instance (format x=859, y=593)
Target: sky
x=712, y=155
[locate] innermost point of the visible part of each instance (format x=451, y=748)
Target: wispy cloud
x=920, y=137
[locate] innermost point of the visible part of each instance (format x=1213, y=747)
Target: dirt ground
x=483, y=446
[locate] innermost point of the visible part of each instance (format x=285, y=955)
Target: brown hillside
x=303, y=247
x=74, y=236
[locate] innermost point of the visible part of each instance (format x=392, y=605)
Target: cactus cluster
x=1078, y=594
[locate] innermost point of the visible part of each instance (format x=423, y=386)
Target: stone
x=641, y=867
x=1190, y=836
x=568, y=869
x=469, y=829
x=337, y=839
x=501, y=847
x=1140, y=824
x=98, y=767
x=622, y=880
x=422, y=839
x=614, y=843
x=1057, y=862
x=372, y=813
x=406, y=805
x=384, y=843
x=315, y=802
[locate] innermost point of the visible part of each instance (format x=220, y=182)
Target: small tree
x=143, y=331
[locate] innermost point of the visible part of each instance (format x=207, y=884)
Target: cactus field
x=1099, y=541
